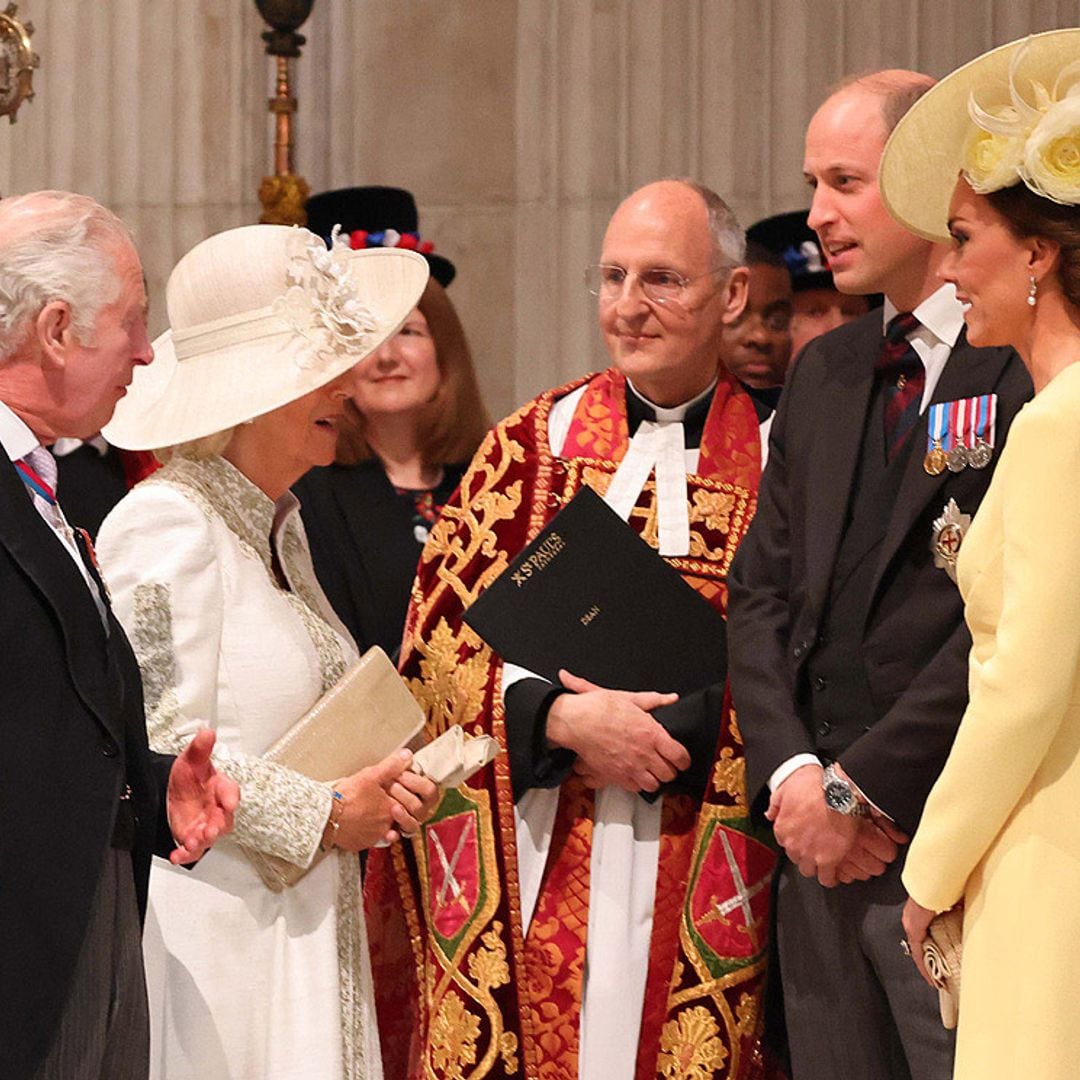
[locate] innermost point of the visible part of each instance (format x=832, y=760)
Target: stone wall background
x=518, y=124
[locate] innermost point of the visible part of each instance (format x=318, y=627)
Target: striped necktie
x=39, y=472
x=903, y=380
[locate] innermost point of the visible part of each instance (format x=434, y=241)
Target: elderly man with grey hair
x=83, y=800
x=603, y=898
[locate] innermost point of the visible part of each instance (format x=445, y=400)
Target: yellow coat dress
x=1001, y=828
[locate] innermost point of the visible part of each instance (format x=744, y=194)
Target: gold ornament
x=17, y=63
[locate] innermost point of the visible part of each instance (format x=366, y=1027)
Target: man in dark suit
x=93, y=477
x=848, y=650
x=83, y=801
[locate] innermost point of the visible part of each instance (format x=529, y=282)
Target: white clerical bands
x=663, y=446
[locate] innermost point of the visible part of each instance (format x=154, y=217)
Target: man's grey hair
x=728, y=237
x=55, y=245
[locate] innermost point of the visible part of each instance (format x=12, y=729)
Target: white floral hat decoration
x=259, y=316
x=1009, y=116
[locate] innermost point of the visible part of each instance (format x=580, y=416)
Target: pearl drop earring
x=1033, y=292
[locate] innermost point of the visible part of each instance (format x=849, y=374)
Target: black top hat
x=376, y=217
x=797, y=244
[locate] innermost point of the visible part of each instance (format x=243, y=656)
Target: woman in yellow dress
x=999, y=832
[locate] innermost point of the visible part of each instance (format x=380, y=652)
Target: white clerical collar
x=676, y=412
x=658, y=446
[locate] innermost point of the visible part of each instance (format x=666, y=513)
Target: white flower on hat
x=1038, y=143
x=992, y=161
x=1051, y=165
x=321, y=303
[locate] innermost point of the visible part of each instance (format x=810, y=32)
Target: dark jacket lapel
x=40, y=554
x=968, y=373
x=835, y=452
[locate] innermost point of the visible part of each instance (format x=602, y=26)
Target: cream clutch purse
x=942, y=953
x=368, y=714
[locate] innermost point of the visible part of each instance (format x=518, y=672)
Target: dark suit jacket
x=89, y=484
x=72, y=733
x=914, y=643
x=363, y=547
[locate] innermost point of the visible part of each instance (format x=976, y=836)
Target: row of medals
x=958, y=458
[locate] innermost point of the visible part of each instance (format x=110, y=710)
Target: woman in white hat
x=991, y=157
x=211, y=576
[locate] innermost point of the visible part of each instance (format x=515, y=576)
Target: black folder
x=589, y=595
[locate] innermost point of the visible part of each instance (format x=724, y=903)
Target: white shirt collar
x=676, y=412
x=17, y=439
x=63, y=447
x=940, y=314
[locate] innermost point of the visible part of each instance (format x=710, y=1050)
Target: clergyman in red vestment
x=550, y=920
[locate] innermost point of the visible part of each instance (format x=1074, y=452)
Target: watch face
x=838, y=796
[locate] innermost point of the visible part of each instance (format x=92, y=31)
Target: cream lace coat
x=243, y=982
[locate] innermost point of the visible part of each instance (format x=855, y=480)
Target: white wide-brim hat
x=258, y=317
x=925, y=153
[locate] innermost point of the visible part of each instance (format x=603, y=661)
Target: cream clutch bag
x=367, y=715
x=942, y=953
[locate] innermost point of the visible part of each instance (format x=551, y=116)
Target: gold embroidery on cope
x=729, y=776
x=450, y=688
x=714, y=508
x=456, y=847
x=454, y=1034
x=508, y=1047
x=690, y=1046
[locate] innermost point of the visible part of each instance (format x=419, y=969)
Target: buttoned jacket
x=914, y=645
x=72, y=734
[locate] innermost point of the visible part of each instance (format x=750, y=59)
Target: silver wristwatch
x=840, y=796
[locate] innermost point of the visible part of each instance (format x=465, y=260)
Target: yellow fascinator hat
x=1007, y=117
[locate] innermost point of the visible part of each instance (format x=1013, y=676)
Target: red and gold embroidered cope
x=461, y=993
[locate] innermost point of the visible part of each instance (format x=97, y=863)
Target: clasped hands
x=834, y=848
x=617, y=741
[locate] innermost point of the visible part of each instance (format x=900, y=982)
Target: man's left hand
x=200, y=800
x=821, y=842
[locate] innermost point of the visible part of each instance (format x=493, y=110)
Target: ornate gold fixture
x=283, y=194
x=17, y=62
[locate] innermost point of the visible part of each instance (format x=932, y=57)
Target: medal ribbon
x=935, y=435
x=966, y=422
x=956, y=424
x=987, y=418
x=35, y=483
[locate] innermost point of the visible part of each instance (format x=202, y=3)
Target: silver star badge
x=949, y=532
